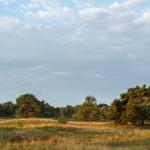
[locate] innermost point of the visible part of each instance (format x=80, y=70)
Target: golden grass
x=42, y=122
x=104, y=133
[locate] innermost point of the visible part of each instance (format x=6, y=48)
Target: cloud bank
x=65, y=50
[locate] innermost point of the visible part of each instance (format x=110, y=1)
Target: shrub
x=62, y=120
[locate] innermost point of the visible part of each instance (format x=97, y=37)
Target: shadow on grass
x=139, y=142
x=11, y=134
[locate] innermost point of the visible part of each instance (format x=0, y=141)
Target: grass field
x=46, y=134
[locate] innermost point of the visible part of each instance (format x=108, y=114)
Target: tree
x=132, y=106
x=88, y=111
x=1, y=111
x=47, y=110
x=28, y=106
x=90, y=100
x=116, y=110
x=8, y=109
x=67, y=112
x=103, y=111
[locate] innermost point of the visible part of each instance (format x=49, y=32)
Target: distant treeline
x=131, y=107
x=28, y=106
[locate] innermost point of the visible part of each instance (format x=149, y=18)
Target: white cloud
x=61, y=73
x=89, y=9
x=31, y=26
x=97, y=75
x=45, y=2
x=42, y=14
x=7, y=2
x=145, y=17
x=120, y=28
x=133, y=2
x=132, y=56
x=70, y=46
x=7, y=23
x=85, y=3
x=128, y=4
x=91, y=13
x=44, y=9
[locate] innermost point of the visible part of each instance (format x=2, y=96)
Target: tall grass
x=45, y=134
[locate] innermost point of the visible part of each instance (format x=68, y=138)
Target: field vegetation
x=32, y=124
x=48, y=134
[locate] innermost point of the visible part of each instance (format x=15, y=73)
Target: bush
x=62, y=120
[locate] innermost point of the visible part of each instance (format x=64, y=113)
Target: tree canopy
x=88, y=111
x=132, y=107
x=27, y=106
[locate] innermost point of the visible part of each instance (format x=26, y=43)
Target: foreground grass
x=44, y=134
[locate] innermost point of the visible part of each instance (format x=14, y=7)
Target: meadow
x=47, y=134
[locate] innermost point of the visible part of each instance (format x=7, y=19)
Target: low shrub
x=62, y=120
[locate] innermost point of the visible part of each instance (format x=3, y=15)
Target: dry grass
x=34, y=123
x=47, y=134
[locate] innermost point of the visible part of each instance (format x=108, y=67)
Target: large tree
x=28, y=106
x=133, y=106
x=88, y=111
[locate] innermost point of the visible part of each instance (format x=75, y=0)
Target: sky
x=64, y=50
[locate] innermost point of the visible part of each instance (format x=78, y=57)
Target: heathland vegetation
x=48, y=134
x=132, y=107
x=32, y=124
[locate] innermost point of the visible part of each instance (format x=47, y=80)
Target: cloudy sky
x=64, y=50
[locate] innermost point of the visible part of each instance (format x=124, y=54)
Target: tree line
x=27, y=106
x=132, y=107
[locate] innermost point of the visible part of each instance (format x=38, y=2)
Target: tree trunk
x=140, y=122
